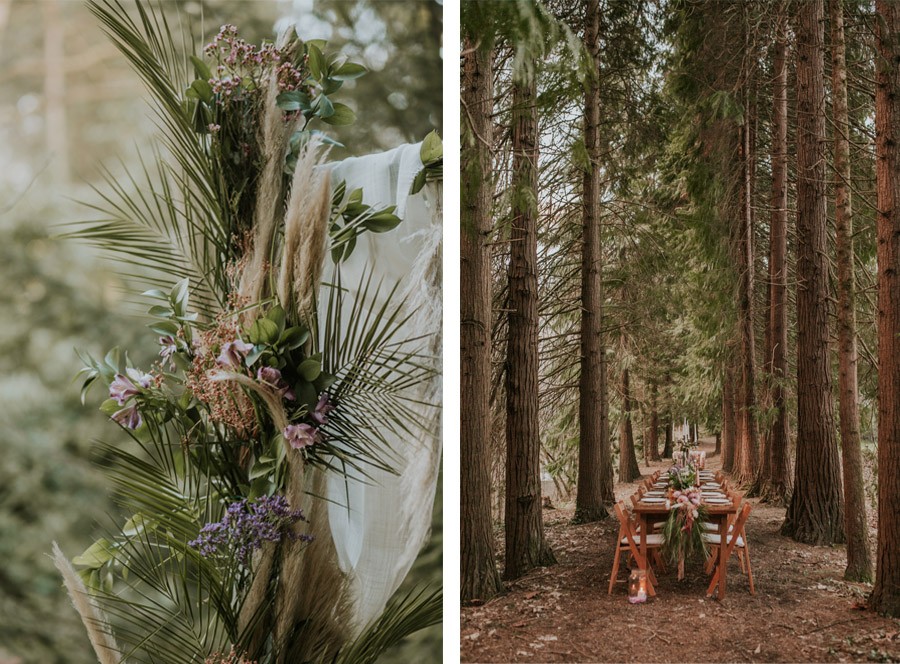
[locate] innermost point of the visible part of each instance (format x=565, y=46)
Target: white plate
x=718, y=501
x=653, y=500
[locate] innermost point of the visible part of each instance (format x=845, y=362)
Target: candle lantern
x=637, y=586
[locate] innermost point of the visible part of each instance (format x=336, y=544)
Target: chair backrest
x=635, y=498
x=742, y=519
x=626, y=529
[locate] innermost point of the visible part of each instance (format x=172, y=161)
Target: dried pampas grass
x=273, y=138
x=312, y=602
x=104, y=645
x=305, y=233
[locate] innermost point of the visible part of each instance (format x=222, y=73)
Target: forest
x=680, y=252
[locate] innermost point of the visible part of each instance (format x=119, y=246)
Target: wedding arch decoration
x=282, y=453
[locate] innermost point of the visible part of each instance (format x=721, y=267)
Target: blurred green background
x=70, y=105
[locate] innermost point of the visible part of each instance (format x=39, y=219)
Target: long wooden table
x=721, y=515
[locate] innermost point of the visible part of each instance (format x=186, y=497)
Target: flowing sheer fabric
x=380, y=523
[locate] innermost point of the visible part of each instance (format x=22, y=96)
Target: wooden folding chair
x=736, y=539
x=627, y=542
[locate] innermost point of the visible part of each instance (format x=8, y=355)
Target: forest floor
x=803, y=610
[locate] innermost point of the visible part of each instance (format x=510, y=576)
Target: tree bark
x=479, y=578
x=669, y=444
x=653, y=432
x=728, y=442
x=886, y=593
x=525, y=546
x=815, y=514
x=776, y=483
x=747, y=457
x=56, y=125
x=595, y=485
x=628, y=465
x=859, y=565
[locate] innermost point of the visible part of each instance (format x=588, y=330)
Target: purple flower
x=233, y=354
x=320, y=413
x=271, y=377
x=247, y=525
x=123, y=386
x=128, y=417
x=169, y=347
x=299, y=436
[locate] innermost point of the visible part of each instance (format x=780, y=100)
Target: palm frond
x=403, y=616
x=365, y=345
x=184, y=227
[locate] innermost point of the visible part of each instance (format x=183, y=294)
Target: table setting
x=679, y=513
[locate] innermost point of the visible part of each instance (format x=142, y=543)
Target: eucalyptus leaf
x=432, y=149
x=349, y=71
x=310, y=369
x=96, y=555
x=342, y=115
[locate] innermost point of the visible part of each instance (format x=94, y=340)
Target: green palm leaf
x=403, y=616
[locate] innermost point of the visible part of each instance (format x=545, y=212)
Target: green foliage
x=683, y=534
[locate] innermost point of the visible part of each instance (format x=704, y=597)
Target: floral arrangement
x=682, y=532
x=270, y=378
x=682, y=477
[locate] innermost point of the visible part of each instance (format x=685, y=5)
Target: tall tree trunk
x=859, y=565
x=747, y=457
x=479, y=578
x=669, y=445
x=653, y=432
x=525, y=546
x=886, y=594
x=718, y=449
x=595, y=485
x=815, y=514
x=55, y=126
x=776, y=483
x=628, y=465
x=728, y=419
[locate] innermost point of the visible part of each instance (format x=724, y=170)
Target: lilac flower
x=233, y=354
x=128, y=417
x=323, y=408
x=299, y=436
x=247, y=525
x=169, y=347
x=271, y=377
x=123, y=386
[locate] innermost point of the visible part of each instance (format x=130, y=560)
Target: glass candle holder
x=637, y=586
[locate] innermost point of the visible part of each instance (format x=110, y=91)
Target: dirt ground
x=803, y=610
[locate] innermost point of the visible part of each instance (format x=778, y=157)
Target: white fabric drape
x=381, y=523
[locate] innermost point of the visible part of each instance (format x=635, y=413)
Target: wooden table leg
x=723, y=556
x=644, y=562
x=717, y=583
